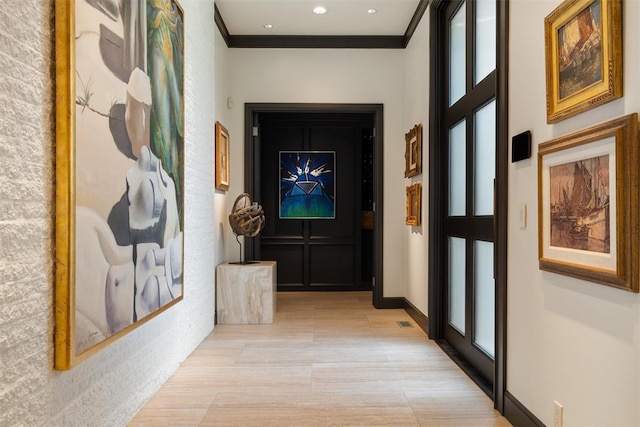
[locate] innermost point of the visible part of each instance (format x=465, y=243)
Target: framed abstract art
x=307, y=185
x=119, y=169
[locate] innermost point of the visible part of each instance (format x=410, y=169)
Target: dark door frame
x=252, y=171
x=438, y=198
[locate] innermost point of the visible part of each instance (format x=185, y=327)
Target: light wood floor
x=329, y=359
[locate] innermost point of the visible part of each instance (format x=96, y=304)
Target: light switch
x=523, y=217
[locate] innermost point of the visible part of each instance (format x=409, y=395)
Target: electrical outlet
x=557, y=414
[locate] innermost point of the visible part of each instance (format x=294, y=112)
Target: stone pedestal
x=246, y=293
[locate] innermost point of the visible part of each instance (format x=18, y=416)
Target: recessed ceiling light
x=371, y=11
x=268, y=26
x=319, y=10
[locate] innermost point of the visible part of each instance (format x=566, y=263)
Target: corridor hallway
x=329, y=359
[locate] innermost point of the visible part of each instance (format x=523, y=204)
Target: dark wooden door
x=314, y=254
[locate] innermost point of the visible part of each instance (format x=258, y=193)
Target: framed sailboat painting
x=588, y=219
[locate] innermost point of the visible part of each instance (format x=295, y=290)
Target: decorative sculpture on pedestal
x=246, y=219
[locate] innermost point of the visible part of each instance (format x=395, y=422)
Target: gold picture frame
x=588, y=214
x=119, y=171
x=413, y=152
x=222, y=158
x=583, y=53
x=414, y=204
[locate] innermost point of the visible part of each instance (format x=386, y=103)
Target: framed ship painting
x=583, y=44
x=307, y=185
x=588, y=204
x=119, y=169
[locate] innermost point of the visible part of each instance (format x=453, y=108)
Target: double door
x=311, y=188
x=467, y=161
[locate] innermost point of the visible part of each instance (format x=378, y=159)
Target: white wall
x=110, y=387
x=330, y=76
x=416, y=101
x=223, y=115
x=568, y=340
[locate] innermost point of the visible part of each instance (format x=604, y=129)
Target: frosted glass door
x=458, y=53
x=457, y=170
x=485, y=37
x=484, y=147
x=457, y=287
x=484, y=297
x=467, y=134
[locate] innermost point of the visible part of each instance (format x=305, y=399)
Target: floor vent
x=405, y=324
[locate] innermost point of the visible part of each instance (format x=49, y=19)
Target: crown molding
x=321, y=42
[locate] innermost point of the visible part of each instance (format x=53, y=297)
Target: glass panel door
x=457, y=287
x=484, y=298
x=457, y=170
x=485, y=39
x=469, y=169
x=484, y=158
x=458, y=49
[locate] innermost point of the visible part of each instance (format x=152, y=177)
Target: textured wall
x=111, y=386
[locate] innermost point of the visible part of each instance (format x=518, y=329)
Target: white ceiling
x=296, y=17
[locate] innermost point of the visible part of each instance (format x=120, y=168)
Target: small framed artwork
x=307, y=185
x=413, y=152
x=583, y=51
x=414, y=204
x=222, y=157
x=588, y=196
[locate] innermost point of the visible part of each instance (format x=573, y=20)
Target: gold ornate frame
x=222, y=157
x=616, y=141
x=599, y=89
x=75, y=96
x=413, y=152
x=414, y=204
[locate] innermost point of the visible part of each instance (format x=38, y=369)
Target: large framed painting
x=119, y=169
x=583, y=44
x=588, y=204
x=307, y=185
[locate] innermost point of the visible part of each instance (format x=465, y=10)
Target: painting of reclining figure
x=119, y=238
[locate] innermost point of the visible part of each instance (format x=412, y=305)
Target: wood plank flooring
x=329, y=359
